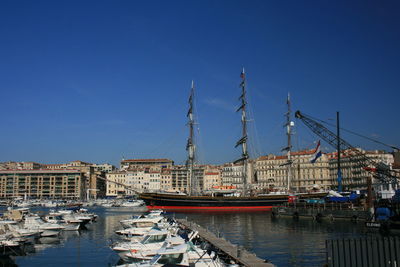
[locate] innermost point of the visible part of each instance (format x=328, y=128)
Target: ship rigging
x=243, y=140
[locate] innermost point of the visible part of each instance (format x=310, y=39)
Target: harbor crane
x=382, y=172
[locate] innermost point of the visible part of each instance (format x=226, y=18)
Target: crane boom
x=383, y=172
x=322, y=131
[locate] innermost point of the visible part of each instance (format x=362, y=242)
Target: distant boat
x=135, y=203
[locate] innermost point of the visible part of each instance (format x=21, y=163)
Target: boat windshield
x=154, y=239
x=154, y=259
x=143, y=224
x=170, y=259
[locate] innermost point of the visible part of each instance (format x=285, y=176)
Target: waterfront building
x=95, y=178
x=272, y=172
x=11, y=165
x=127, y=164
x=94, y=174
x=154, y=181
x=232, y=175
x=128, y=183
x=144, y=180
x=55, y=166
x=135, y=181
x=105, y=167
x=42, y=184
x=116, y=183
x=180, y=177
x=166, y=180
x=354, y=175
x=212, y=178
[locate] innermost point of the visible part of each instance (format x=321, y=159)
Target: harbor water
x=282, y=241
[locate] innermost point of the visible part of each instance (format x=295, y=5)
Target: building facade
x=272, y=172
x=128, y=164
x=116, y=183
x=166, y=180
x=354, y=173
x=212, y=179
x=66, y=184
x=232, y=175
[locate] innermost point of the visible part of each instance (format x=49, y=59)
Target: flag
x=317, y=153
x=242, y=74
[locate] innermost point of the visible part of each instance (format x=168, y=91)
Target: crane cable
x=357, y=134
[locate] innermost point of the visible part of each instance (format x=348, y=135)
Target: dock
x=325, y=211
x=236, y=253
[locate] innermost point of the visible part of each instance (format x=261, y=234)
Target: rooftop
x=146, y=160
x=41, y=171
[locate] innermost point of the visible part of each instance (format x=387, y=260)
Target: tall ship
x=193, y=200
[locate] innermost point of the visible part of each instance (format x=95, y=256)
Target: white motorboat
x=18, y=231
x=134, y=203
x=36, y=223
x=68, y=224
x=180, y=255
x=142, y=221
x=148, y=246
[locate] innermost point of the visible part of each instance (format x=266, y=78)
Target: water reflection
x=7, y=261
x=283, y=241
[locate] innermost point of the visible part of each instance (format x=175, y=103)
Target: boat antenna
x=190, y=146
x=243, y=140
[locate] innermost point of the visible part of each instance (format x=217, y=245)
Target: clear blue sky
x=98, y=80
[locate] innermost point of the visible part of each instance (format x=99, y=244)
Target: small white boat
x=135, y=203
x=180, y=255
x=142, y=221
x=17, y=231
x=148, y=246
x=36, y=223
x=69, y=225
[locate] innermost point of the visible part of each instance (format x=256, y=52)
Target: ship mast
x=289, y=143
x=243, y=139
x=190, y=147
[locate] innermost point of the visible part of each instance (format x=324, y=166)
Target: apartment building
x=42, y=184
x=166, y=180
x=232, y=175
x=127, y=164
x=116, y=183
x=272, y=170
x=95, y=178
x=354, y=175
x=105, y=167
x=212, y=177
x=180, y=177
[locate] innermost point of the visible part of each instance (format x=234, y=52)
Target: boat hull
x=208, y=203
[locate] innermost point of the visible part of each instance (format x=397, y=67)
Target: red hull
x=211, y=208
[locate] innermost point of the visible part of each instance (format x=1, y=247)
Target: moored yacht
x=36, y=223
